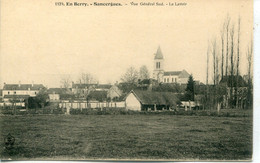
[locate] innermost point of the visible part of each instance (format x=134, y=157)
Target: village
x=165, y=91
x=128, y=81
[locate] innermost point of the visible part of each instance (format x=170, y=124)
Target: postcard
x=126, y=80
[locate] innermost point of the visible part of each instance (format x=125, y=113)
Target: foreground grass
x=127, y=137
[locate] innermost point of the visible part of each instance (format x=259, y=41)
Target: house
x=233, y=84
x=148, y=100
x=114, y=92
x=22, y=89
x=180, y=77
x=233, y=81
x=98, y=95
x=83, y=90
x=18, y=93
x=162, y=76
x=56, y=94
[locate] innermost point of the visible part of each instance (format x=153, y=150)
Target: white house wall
x=31, y=93
x=132, y=103
x=170, y=79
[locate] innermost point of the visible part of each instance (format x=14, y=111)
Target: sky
x=41, y=42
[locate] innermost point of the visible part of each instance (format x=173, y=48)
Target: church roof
x=173, y=73
x=180, y=74
x=158, y=54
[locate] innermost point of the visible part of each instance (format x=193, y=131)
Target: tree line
x=227, y=89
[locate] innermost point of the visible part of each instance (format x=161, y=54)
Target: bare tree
x=207, y=73
x=232, y=37
x=227, y=36
x=87, y=78
x=214, y=56
x=238, y=42
x=144, y=72
x=222, y=32
x=207, y=77
x=214, y=60
x=131, y=75
x=249, y=87
x=65, y=81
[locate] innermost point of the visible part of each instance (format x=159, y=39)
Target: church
x=180, y=77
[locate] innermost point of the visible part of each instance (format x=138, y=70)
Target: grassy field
x=127, y=137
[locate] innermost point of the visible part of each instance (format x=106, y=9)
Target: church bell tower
x=158, y=66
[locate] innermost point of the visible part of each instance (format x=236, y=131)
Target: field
x=175, y=137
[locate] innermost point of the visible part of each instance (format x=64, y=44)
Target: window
x=172, y=80
x=175, y=80
x=35, y=92
x=8, y=92
x=167, y=80
x=164, y=80
x=158, y=65
x=14, y=92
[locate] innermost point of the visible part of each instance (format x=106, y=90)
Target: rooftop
x=158, y=98
x=23, y=86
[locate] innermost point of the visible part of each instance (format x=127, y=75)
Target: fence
x=84, y=105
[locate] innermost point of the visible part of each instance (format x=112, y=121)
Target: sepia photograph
x=126, y=80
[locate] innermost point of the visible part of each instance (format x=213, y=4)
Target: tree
x=238, y=41
x=249, y=87
x=227, y=36
x=87, y=78
x=144, y=73
x=40, y=100
x=215, y=60
x=130, y=76
x=232, y=37
x=222, y=50
x=65, y=81
x=41, y=97
x=189, y=95
x=207, y=78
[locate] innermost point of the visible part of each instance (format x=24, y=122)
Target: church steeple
x=158, y=65
x=158, y=54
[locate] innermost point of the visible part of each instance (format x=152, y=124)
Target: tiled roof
x=158, y=98
x=23, y=86
x=97, y=95
x=233, y=79
x=58, y=90
x=173, y=73
x=103, y=86
x=97, y=86
x=158, y=54
x=81, y=86
x=180, y=74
